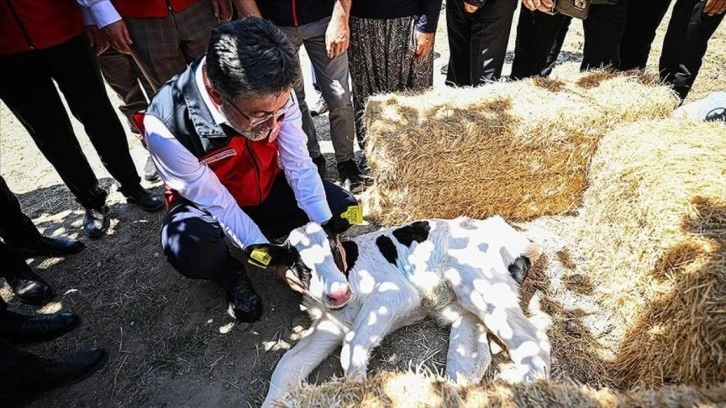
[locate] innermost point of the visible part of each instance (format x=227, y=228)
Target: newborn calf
x=453, y=270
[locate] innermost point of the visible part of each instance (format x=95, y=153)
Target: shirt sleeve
x=300, y=171
x=182, y=171
x=429, y=18
x=103, y=12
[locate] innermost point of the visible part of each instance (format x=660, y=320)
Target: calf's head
x=326, y=283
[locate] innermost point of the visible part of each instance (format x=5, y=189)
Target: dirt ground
x=170, y=339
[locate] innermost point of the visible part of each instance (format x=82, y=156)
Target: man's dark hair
x=250, y=56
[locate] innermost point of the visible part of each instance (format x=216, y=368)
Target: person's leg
x=490, y=27
x=26, y=285
x=195, y=24
x=685, y=44
x=604, y=29
x=279, y=213
x=118, y=71
x=332, y=77
x=75, y=70
x=537, y=33
x=308, y=126
x=15, y=227
x=642, y=21
x=556, y=47
x=459, y=35
x=156, y=48
x=362, y=68
x=27, y=89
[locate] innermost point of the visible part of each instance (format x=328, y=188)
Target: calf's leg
x=469, y=356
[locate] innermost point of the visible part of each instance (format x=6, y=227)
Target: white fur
x=458, y=275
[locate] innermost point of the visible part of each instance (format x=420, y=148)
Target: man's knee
x=194, y=246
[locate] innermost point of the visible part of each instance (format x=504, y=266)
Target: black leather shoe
x=145, y=199
x=30, y=288
x=69, y=370
x=352, y=178
x=52, y=246
x=42, y=328
x=244, y=303
x=95, y=222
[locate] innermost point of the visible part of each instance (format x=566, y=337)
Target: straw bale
x=517, y=149
x=415, y=390
x=653, y=228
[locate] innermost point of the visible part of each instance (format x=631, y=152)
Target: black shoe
x=30, y=288
x=42, y=328
x=52, y=246
x=95, y=222
x=320, y=164
x=716, y=115
x=73, y=368
x=150, y=173
x=352, y=178
x=145, y=199
x=244, y=303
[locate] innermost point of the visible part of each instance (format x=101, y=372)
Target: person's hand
x=470, y=8
x=289, y=277
x=541, y=5
x=714, y=7
x=118, y=34
x=337, y=37
x=96, y=39
x=424, y=44
x=222, y=9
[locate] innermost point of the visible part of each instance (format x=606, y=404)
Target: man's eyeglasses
x=254, y=122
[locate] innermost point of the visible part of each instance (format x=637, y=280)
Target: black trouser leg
x=459, y=35
x=17, y=367
x=28, y=90
x=643, y=19
x=537, y=33
x=15, y=227
x=75, y=68
x=124, y=76
x=279, y=213
x=556, y=47
x=604, y=29
x=685, y=44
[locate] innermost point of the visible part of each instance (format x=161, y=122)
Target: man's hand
x=541, y=5
x=337, y=36
x=96, y=39
x=118, y=34
x=289, y=277
x=424, y=44
x=222, y=9
x=714, y=7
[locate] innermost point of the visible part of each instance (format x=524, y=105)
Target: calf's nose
x=339, y=295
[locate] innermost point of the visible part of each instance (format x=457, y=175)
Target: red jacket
x=36, y=24
x=150, y=8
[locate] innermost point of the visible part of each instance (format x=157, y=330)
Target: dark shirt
x=427, y=11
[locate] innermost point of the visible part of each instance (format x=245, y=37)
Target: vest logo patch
x=219, y=156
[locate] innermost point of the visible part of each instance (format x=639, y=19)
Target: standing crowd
x=214, y=91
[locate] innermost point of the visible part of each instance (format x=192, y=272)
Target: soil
x=170, y=339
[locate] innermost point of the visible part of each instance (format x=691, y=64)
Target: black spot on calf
x=351, y=254
x=520, y=269
x=417, y=231
x=387, y=248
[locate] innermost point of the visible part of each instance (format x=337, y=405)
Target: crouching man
x=226, y=136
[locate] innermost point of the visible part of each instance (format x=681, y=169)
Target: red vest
x=36, y=24
x=150, y=8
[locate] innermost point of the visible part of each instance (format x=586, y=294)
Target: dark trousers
x=125, y=77
x=537, y=32
x=16, y=229
x=193, y=241
x=17, y=367
x=685, y=41
x=477, y=41
x=27, y=87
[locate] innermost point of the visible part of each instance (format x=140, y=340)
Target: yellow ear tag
x=261, y=257
x=354, y=214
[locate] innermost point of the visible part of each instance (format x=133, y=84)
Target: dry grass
x=653, y=228
x=499, y=149
x=415, y=390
